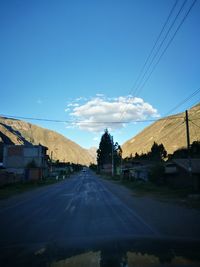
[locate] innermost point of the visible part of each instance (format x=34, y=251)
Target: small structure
x=61, y=169
x=137, y=170
x=30, y=161
x=177, y=173
x=106, y=168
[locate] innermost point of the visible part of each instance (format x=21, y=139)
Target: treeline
x=159, y=153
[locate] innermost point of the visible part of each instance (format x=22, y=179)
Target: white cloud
x=73, y=105
x=99, y=113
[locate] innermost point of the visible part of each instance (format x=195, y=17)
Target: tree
x=104, y=153
x=158, y=152
x=117, y=152
x=106, y=149
x=182, y=153
x=195, y=149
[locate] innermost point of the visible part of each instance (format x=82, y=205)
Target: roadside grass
x=161, y=192
x=20, y=187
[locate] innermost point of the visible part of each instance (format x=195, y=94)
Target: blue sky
x=78, y=61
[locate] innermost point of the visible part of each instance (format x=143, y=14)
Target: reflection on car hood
x=118, y=253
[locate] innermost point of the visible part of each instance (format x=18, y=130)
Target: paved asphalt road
x=77, y=209
x=74, y=212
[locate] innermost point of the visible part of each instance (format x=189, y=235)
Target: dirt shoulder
x=168, y=217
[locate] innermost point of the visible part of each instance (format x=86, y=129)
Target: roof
x=26, y=145
x=184, y=163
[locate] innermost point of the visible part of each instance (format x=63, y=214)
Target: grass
x=161, y=192
x=20, y=187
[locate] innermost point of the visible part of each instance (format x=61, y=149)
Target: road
x=83, y=210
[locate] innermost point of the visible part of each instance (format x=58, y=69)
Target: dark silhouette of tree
x=137, y=156
x=117, y=155
x=104, y=153
x=182, y=153
x=157, y=152
x=106, y=148
x=195, y=149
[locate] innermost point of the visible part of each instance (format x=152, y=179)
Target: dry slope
x=170, y=131
x=21, y=132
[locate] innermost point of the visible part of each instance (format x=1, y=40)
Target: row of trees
x=183, y=152
x=159, y=153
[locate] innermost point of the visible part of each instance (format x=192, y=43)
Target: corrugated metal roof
x=184, y=163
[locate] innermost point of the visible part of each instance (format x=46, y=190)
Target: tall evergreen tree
x=106, y=148
x=104, y=153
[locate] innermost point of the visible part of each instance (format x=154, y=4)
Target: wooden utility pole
x=188, y=142
x=51, y=161
x=112, y=158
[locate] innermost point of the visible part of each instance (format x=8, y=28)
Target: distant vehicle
x=84, y=170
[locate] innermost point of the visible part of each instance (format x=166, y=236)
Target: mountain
x=171, y=131
x=93, y=153
x=18, y=132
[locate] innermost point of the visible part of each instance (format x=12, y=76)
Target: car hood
x=127, y=253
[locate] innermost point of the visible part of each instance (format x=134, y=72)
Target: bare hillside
x=170, y=131
x=21, y=132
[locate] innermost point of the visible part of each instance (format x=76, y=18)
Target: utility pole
x=121, y=168
x=51, y=161
x=188, y=142
x=112, y=158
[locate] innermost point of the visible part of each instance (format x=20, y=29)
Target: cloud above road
x=96, y=114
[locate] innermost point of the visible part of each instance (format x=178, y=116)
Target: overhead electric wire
x=161, y=44
x=157, y=140
x=194, y=123
x=183, y=101
x=168, y=44
x=150, y=54
x=154, y=46
x=173, y=129
x=80, y=122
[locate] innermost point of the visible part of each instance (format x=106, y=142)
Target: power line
x=194, y=119
x=150, y=54
x=161, y=44
x=194, y=123
x=162, y=137
x=154, y=46
x=168, y=44
x=173, y=129
x=183, y=101
x=86, y=122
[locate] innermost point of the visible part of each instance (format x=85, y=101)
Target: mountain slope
x=93, y=153
x=21, y=132
x=171, y=131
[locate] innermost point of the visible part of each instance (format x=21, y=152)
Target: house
x=106, y=168
x=179, y=174
x=137, y=170
x=30, y=161
x=61, y=169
